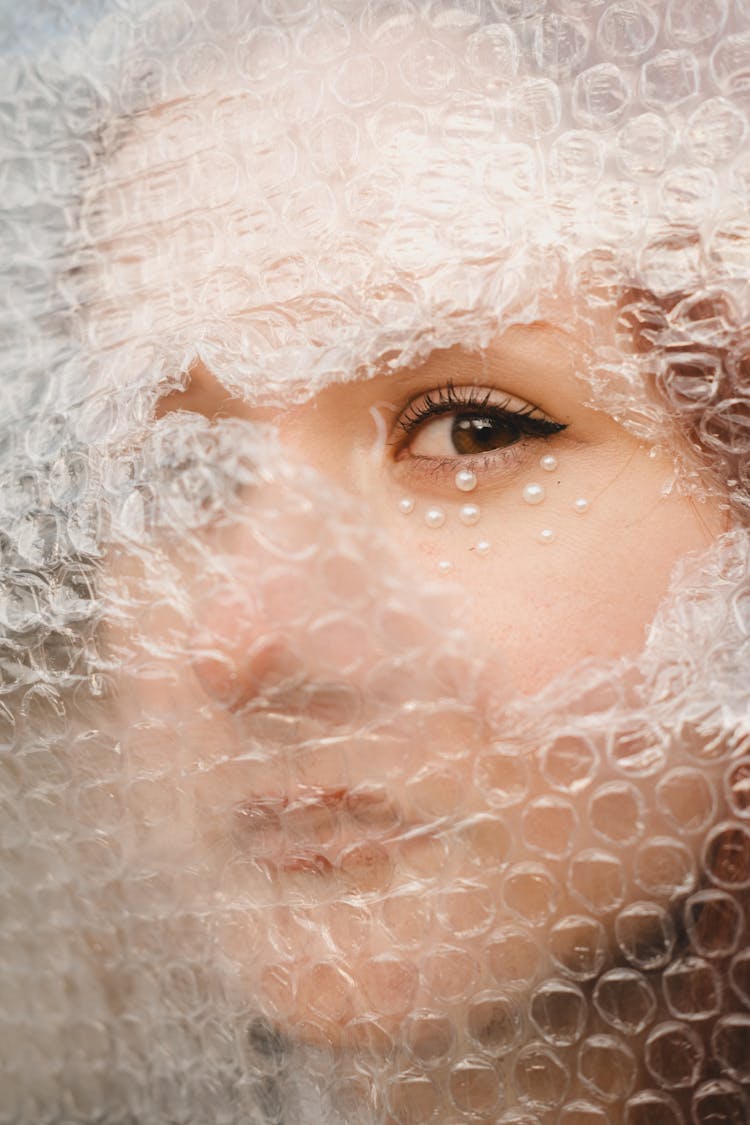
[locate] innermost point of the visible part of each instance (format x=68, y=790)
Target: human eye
x=476, y=426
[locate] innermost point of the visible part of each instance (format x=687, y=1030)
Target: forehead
x=362, y=203
x=335, y=190
x=322, y=149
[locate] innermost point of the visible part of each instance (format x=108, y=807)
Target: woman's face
x=351, y=657
x=563, y=537
x=490, y=472
x=390, y=851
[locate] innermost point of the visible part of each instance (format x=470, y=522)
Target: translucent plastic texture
x=375, y=588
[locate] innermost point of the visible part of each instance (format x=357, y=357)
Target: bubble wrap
x=352, y=773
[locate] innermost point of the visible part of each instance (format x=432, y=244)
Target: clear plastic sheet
x=375, y=590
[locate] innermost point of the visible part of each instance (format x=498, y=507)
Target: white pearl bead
x=547, y=535
x=548, y=462
x=533, y=493
x=482, y=547
x=445, y=565
x=434, y=517
x=406, y=505
x=469, y=514
x=581, y=504
x=466, y=481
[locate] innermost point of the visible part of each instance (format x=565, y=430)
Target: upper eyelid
x=454, y=397
x=451, y=396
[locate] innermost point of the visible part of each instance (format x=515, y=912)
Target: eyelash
x=474, y=400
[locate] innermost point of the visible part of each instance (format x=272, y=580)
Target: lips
x=323, y=831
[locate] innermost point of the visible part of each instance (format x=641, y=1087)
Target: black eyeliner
x=475, y=402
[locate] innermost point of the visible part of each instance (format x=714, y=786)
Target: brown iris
x=478, y=433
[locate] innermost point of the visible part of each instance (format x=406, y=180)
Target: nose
x=293, y=604
x=278, y=634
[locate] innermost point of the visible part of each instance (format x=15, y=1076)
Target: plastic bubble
x=326, y=795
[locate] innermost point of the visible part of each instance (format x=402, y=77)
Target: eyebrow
x=540, y=328
x=204, y=393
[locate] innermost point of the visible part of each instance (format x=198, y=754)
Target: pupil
x=478, y=433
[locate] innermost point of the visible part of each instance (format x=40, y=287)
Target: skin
x=546, y=607
x=307, y=942
x=530, y=610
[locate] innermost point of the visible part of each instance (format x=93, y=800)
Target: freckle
x=406, y=505
x=434, y=517
x=482, y=547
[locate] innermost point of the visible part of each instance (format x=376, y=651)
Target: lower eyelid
x=488, y=466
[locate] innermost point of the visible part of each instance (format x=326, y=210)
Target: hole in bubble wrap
x=430, y=1037
x=649, y=1107
x=726, y=856
x=559, y=1012
x=412, y=1099
x=582, y=1112
x=730, y=1042
x=737, y=787
x=578, y=946
x=475, y=1086
x=625, y=1000
x=645, y=935
x=540, y=1076
x=739, y=975
x=607, y=1067
x=616, y=813
x=495, y=1024
x=720, y=1100
x=692, y=989
x=714, y=922
x=687, y=798
x=674, y=1055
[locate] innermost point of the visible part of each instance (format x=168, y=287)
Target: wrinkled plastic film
x=313, y=809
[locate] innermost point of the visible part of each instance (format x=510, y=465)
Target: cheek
x=591, y=591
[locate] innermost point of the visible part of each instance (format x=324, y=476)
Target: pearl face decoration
x=581, y=505
x=466, y=481
x=533, y=493
x=482, y=547
x=406, y=505
x=548, y=463
x=445, y=565
x=547, y=535
x=469, y=514
x=434, y=517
